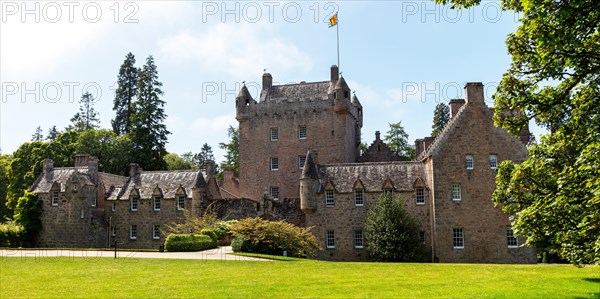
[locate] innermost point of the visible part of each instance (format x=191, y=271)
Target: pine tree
x=204, y=155
x=52, y=134
x=441, y=116
x=37, y=136
x=125, y=95
x=87, y=117
x=397, y=140
x=149, y=133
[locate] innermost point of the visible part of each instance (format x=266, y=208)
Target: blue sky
x=400, y=57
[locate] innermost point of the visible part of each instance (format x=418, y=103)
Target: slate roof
x=298, y=91
x=403, y=175
x=59, y=175
x=169, y=183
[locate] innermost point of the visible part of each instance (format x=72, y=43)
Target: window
x=469, y=161
x=134, y=203
x=114, y=206
x=330, y=239
x=54, y=198
x=94, y=201
x=358, y=198
x=301, y=161
x=422, y=237
x=113, y=231
x=329, y=198
x=133, y=232
x=493, y=161
x=511, y=240
x=275, y=192
x=274, y=164
x=456, y=192
x=302, y=132
x=420, y=193
x=458, y=239
x=74, y=186
x=180, y=202
x=274, y=134
x=358, y=239
x=156, y=203
x=156, y=232
x=82, y=213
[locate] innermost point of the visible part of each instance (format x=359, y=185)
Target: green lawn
x=68, y=277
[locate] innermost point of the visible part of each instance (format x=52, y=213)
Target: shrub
x=273, y=237
x=10, y=234
x=189, y=242
x=240, y=245
x=209, y=232
x=221, y=228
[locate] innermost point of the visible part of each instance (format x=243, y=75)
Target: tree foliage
x=175, y=162
x=87, y=117
x=52, y=134
x=38, y=135
x=114, y=152
x=4, y=167
x=27, y=214
x=149, y=133
x=554, y=80
x=397, y=139
x=127, y=88
x=205, y=154
x=232, y=150
x=391, y=233
x=441, y=116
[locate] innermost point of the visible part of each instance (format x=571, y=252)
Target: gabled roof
x=168, y=182
x=401, y=174
x=297, y=92
x=451, y=125
x=60, y=175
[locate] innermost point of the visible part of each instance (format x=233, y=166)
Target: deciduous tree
x=232, y=149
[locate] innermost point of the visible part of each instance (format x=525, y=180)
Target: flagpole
x=337, y=28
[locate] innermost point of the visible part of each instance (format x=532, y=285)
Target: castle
x=300, y=161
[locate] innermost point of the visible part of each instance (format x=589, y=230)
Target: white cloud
x=216, y=125
x=237, y=49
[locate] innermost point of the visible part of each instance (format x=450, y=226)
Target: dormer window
x=329, y=200
x=54, y=198
x=74, y=186
x=156, y=203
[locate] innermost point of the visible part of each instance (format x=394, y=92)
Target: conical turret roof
x=310, y=167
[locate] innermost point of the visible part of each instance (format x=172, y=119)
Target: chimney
x=209, y=166
x=377, y=136
x=455, y=105
x=267, y=81
x=227, y=174
x=48, y=168
x=474, y=92
x=81, y=160
x=134, y=170
x=335, y=73
x=93, y=167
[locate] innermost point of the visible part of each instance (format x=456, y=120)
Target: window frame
x=302, y=132
x=180, y=203
x=493, y=165
x=458, y=238
x=422, y=237
x=456, y=190
x=273, y=190
x=274, y=134
x=155, y=231
x=469, y=162
x=133, y=232
x=94, y=201
x=330, y=239
x=511, y=240
x=274, y=163
x=134, y=201
x=329, y=199
x=359, y=239
x=113, y=231
x=114, y=206
x=54, y=198
x=156, y=203
x=420, y=196
x=359, y=198
x=301, y=161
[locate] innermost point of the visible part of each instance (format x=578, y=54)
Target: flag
x=333, y=20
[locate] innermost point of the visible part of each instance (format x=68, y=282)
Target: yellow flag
x=333, y=20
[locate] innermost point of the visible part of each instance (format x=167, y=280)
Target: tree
x=114, y=152
x=441, y=116
x=52, y=134
x=125, y=94
x=87, y=117
x=149, y=133
x=397, y=139
x=37, y=136
x=554, y=196
x=205, y=154
x=232, y=148
x=391, y=233
x=27, y=214
x=175, y=162
x=4, y=167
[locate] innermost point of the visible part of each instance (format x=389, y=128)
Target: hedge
x=10, y=234
x=189, y=242
x=209, y=232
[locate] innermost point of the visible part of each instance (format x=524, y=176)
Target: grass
x=69, y=277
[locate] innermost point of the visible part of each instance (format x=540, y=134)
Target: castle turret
x=341, y=96
x=359, y=108
x=309, y=184
x=242, y=103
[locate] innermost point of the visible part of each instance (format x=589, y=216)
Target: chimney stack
x=267, y=81
x=81, y=160
x=48, y=168
x=134, y=170
x=93, y=167
x=335, y=73
x=455, y=105
x=209, y=166
x=474, y=92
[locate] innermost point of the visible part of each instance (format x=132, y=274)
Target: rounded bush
x=189, y=242
x=210, y=233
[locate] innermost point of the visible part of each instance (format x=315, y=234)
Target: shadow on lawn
x=594, y=280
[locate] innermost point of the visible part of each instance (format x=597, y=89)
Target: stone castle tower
x=278, y=130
